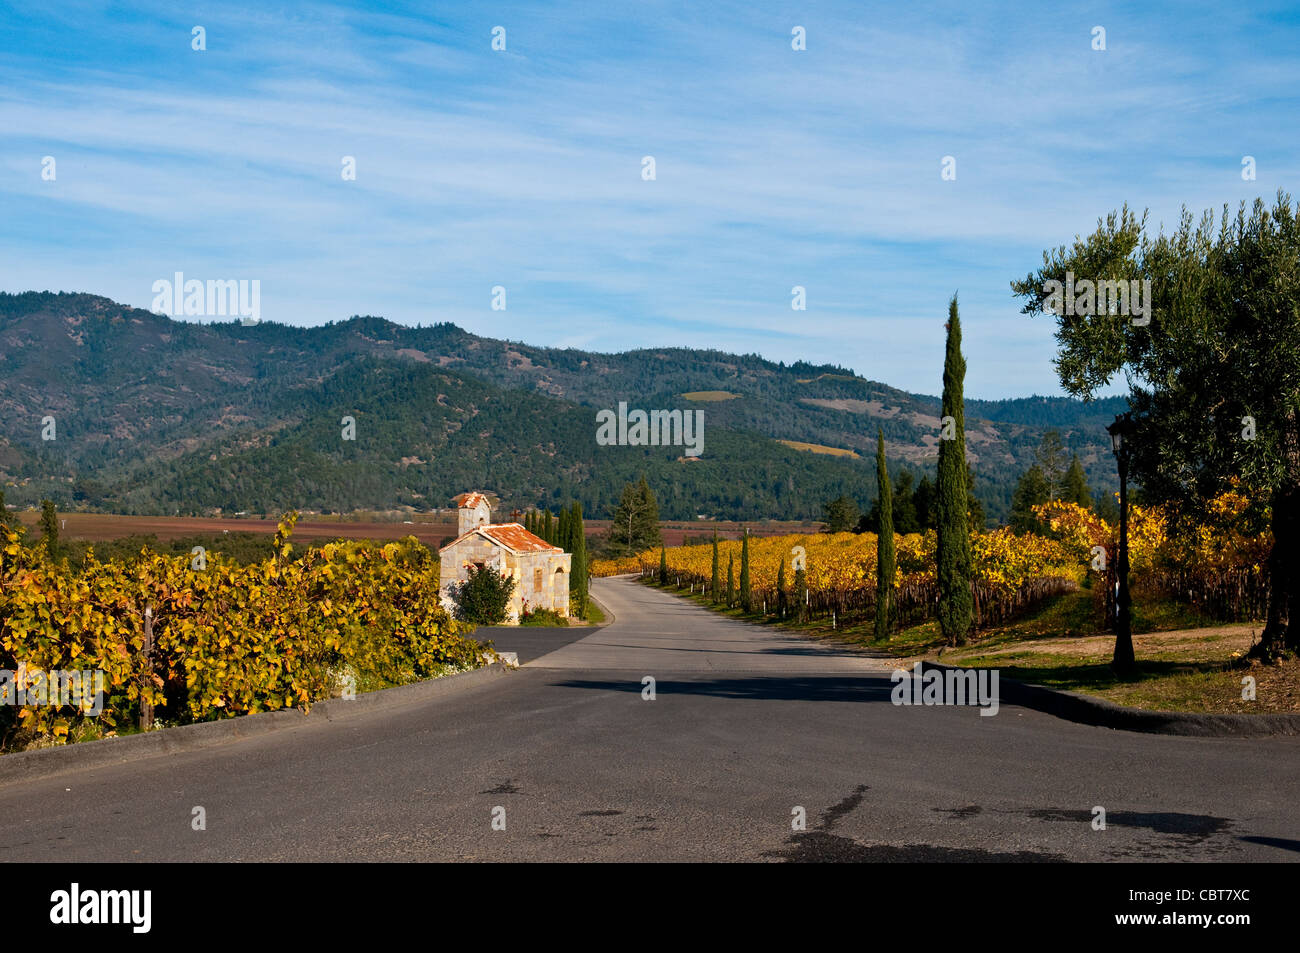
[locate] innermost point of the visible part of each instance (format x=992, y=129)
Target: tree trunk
x=1283, y=575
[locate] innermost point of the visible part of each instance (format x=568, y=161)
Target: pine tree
x=884, y=545
x=1050, y=457
x=906, y=520
x=841, y=515
x=713, y=580
x=1076, y=485
x=648, y=517
x=974, y=508
x=746, y=594
x=731, y=579
x=663, y=567
x=1031, y=490
x=635, y=527
x=923, y=501
x=952, y=496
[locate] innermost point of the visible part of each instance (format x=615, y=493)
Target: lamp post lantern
x=1121, y=439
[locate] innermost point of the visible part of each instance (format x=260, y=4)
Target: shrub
x=484, y=598
x=542, y=617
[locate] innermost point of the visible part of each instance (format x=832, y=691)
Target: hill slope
x=159, y=416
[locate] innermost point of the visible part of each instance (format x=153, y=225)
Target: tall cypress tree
x=713, y=581
x=562, y=532
x=731, y=579
x=50, y=527
x=578, y=580
x=663, y=567
x=780, y=590
x=800, y=594
x=746, y=593
x=884, y=544
x=952, y=555
x=548, y=528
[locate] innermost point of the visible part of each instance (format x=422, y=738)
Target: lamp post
x=1121, y=438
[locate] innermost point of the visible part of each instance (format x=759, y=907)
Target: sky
x=523, y=168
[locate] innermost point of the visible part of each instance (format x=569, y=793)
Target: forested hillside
x=158, y=416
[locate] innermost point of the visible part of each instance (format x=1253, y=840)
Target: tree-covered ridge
x=156, y=415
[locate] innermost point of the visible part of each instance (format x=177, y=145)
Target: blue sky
x=522, y=168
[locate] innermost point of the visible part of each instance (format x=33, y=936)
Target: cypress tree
x=884, y=544
x=562, y=532
x=663, y=567
x=952, y=554
x=547, y=528
x=578, y=581
x=713, y=581
x=731, y=579
x=746, y=593
x=780, y=590
x=50, y=527
x=800, y=594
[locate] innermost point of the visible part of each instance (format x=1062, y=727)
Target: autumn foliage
x=228, y=639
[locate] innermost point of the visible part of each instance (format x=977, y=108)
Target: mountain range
x=156, y=416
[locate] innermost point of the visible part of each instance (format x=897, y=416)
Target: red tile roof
x=515, y=537
x=469, y=500
x=512, y=536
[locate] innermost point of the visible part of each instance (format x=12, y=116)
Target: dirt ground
x=429, y=529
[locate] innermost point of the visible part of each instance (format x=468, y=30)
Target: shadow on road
x=827, y=688
x=1281, y=843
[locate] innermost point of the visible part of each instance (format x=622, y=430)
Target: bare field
x=428, y=529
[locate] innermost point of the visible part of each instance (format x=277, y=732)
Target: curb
x=610, y=618
x=46, y=762
x=1104, y=714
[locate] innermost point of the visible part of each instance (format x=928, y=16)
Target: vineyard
x=1218, y=568
x=225, y=639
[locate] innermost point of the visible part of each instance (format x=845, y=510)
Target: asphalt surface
x=747, y=728
x=529, y=642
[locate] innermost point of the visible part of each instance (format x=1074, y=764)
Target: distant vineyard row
x=1219, y=567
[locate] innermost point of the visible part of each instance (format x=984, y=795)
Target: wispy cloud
x=775, y=168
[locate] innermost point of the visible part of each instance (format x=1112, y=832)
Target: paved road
x=746, y=727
